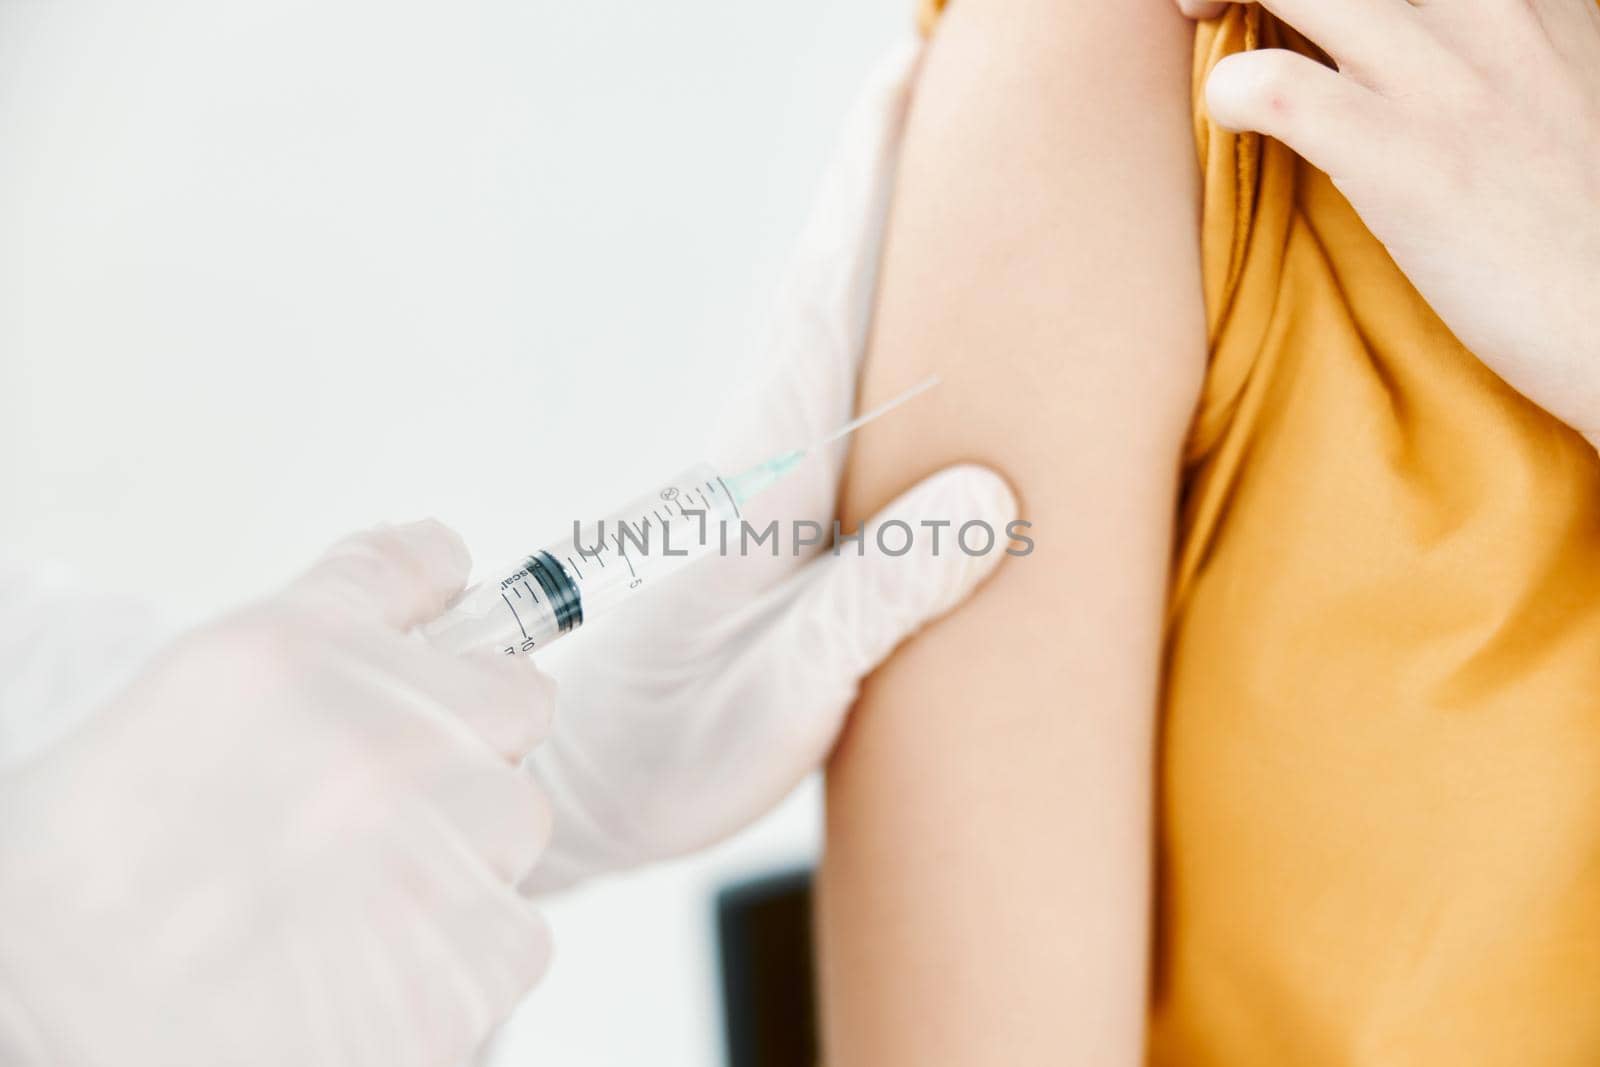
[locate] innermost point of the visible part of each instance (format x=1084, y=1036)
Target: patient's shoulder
x=1043, y=254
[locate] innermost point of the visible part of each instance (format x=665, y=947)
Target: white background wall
x=271, y=271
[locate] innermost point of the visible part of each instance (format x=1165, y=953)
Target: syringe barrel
x=594, y=568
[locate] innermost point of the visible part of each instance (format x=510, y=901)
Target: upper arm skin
x=984, y=895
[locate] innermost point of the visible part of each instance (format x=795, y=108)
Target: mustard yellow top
x=1380, y=782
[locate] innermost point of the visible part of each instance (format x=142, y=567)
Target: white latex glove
x=293, y=840
x=694, y=713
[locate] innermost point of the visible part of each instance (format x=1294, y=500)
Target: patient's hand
x=1467, y=136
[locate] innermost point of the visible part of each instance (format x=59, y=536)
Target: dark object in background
x=768, y=1004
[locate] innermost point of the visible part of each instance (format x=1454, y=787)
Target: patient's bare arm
x=984, y=898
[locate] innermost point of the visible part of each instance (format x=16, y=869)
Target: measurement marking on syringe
x=529, y=588
x=575, y=566
x=514, y=615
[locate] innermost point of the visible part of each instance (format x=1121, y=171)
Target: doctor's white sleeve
x=63, y=653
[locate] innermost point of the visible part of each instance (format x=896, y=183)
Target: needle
x=878, y=412
x=763, y=476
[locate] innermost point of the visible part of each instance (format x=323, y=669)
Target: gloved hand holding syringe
x=527, y=605
x=300, y=821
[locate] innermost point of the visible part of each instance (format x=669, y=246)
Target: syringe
x=531, y=603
